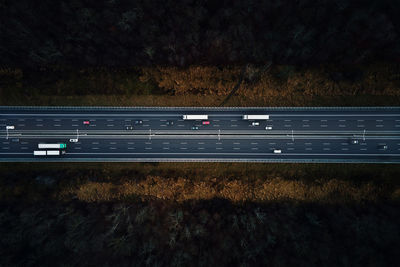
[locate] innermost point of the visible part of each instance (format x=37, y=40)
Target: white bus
x=195, y=117
x=256, y=117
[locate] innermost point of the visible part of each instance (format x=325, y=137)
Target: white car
x=255, y=123
x=73, y=140
x=10, y=127
x=277, y=151
x=268, y=128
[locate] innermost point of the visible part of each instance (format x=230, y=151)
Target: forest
x=194, y=53
x=197, y=32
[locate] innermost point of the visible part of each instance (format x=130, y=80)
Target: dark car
x=195, y=127
x=169, y=123
x=383, y=147
x=129, y=127
x=138, y=122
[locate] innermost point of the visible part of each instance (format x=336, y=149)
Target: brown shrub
x=275, y=189
x=377, y=79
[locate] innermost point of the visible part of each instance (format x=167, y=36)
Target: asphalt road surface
x=146, y=134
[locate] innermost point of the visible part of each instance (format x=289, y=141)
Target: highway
x=144, y=134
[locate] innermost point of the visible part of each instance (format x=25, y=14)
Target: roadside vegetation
x=280, y=85
x=182, y=182
x=199, y=214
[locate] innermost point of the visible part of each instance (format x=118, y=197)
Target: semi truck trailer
x=195, y=117
x=48, y=152
x=256, y=117
x=56, y=146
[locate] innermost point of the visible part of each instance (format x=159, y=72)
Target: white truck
x=56, y=146
x=256, y=117
x=195, y=117
x=48, y=152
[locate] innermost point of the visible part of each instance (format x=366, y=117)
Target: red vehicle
x=86, y=122
x=206, y=122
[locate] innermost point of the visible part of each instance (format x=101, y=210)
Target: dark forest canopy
x=183, y=32
x=212, y=233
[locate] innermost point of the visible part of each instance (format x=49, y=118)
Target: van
x=277, y=151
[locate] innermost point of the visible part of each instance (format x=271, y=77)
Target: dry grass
x=184, y=189
x=205, y=86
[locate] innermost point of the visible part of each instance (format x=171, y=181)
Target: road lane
x=311, y=135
